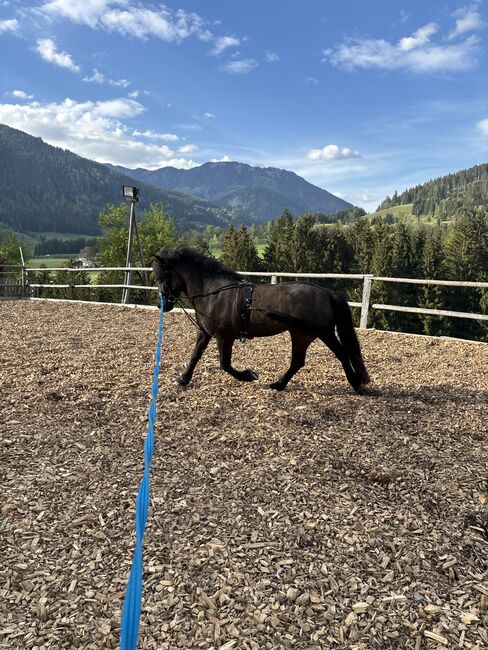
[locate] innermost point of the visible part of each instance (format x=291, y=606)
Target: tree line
x=354, y=245
x=384, y=249
x=445, y=197
x=56, y=246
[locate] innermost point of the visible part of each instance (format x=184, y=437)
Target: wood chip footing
x=313, y=518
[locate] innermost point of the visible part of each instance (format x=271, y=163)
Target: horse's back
x=302, y=300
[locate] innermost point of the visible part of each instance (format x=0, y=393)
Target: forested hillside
x=48, y=189
x=446, y=196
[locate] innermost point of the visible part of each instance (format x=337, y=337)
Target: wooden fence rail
x=365, y=304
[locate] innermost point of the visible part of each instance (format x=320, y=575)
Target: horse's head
x=169, y=282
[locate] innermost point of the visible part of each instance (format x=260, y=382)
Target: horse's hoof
x=182, y=380
x=250, y=375
x=277, y=386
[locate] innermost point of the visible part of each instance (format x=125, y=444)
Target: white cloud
x=46, y=47
x=242, y=66
x=483, y=126
x=271, y=57
x=119, y=108
x=11, y=25
x=223, y=42
x=131, y=20
x=188, y=148
x=140, y=20
x=311, y=80
x=93, y=130
x=332, y=152
x=419, y=38
x=168, y=137
x=99, y=78
x=415, y=53
x=87, y=12
x=224, y=159
x=209, y=116
x=20, y=94
x=468, y=20
x=188, y=127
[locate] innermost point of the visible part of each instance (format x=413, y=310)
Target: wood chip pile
x=313, y=518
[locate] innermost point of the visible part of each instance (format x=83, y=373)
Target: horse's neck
x=200, y=283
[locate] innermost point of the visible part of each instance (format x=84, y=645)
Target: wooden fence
x=13, y=282
x=365, y=305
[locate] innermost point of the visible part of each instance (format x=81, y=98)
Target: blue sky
x=360, y=98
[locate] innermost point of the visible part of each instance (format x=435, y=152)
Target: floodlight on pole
x=131, y=193
x=132, y=196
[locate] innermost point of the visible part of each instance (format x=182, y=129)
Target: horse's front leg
x=225, y=344
x=200, y=346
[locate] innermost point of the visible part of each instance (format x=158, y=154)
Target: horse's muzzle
x=169, y=303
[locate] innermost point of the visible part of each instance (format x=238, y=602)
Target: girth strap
x=245, y=310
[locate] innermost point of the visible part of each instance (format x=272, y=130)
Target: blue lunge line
x=131, y=612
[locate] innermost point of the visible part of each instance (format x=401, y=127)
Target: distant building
x=84, y=263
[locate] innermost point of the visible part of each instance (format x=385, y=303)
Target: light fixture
x=131, y=193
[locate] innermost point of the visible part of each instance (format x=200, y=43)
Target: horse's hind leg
x=200, y=346
x=299, y=346
x=225, y=350
x=333, y=343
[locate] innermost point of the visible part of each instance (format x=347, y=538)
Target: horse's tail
x=348, y=338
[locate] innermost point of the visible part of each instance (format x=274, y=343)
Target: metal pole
x=24, y=273
x=141, y=252
x=128, y=273
x=363, y=324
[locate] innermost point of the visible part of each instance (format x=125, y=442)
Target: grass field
x=49, y=262
x=404, y=214
x=400, y=212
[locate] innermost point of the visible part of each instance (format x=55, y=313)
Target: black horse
x=228, y=307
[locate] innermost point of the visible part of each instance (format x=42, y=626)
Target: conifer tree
x=285, y=227
x=304, y=251
x=239, y=250
x=361, y=239
x=279, y=244
x=432, y=296
x=381, y=266
x=466, y=249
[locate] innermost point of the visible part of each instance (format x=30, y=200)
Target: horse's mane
x=204, y=264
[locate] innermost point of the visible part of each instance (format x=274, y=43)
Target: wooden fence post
x=23, y=273
x=363, y=323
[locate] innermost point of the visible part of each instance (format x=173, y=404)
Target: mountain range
x=259, y=193
x=49, y=189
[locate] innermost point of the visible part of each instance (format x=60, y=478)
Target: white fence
x=365, y=304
